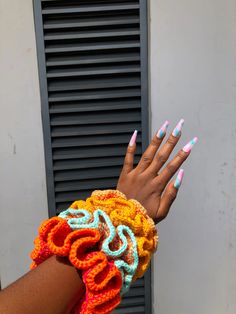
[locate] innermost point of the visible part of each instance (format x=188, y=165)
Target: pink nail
x=188, y=147
x=179, y=179
x=177, y=130
x=133, y=138
x=162, y=131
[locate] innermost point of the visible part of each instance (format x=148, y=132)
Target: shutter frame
x=38, y=20
x=144, y=283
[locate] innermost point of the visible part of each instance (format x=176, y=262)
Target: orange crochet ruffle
x=102, y=278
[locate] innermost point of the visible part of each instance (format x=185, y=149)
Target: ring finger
x=150, y=152
x=171, y=168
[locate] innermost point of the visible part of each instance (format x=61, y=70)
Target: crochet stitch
x=102, y=278
x=126, y=254
x=109, y=238
x=130, y=213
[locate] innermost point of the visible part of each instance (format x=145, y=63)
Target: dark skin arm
x=54, y=286
x=49, y=289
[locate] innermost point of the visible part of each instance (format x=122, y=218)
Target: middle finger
x=164, y=153
x=150, y=152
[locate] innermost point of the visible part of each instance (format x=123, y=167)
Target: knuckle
x=171, y=141
x=170, y=168
x=161, y=158
x=146, y=159
x=160, y=185
x=159, y=190
x=154, y=143
x=182, y=155
x=171, y=194
x=127, y=163
x=130, y=150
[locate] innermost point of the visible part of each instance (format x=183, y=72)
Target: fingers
x=164, y=153
x=169, y=196
x=129, y=157
x=171, y=168
x=150, y=152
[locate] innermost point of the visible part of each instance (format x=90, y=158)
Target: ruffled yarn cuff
x=109, y=238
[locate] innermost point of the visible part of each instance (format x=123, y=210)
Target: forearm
x=50, y=289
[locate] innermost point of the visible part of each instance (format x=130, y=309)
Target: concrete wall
x=22, y=175
x=193, y=75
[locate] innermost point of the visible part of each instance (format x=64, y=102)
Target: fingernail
x=188, y=147
x=162, y=131
x=177, y=129
x=133, y=138
x=179, y=179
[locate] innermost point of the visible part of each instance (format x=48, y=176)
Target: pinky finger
x=129, y=157
x=169, y=196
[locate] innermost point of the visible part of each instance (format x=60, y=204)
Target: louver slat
x=94, y=140
x=91, y=23
x=91, y=34
x=84, y=118
x=132, y=309
x=101, y=105
x=83, y=152
x=68, y=131
x=93, y=107
x=91, y=95
x=93, y=71
x=99, y=183
x=91, y=163
x=92, y=83
x=97, y=8
x=92, y=47
x=92, y=57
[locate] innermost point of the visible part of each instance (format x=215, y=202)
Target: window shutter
x=92, y=58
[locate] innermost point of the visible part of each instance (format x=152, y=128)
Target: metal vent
x=92, y=57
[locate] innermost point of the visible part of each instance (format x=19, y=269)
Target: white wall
x=22, y=175
x=193, y=75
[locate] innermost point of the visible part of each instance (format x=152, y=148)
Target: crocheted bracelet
x=109, y=238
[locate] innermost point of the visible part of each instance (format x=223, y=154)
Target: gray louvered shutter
x=92, y=57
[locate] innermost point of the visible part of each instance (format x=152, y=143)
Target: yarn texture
x=109, y=238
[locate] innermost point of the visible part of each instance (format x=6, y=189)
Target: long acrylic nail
x=133, y=138
x=179, y=179
x=177, y=130
x=188, y=147
x=162, y=131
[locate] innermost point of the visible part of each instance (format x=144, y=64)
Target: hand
x=149, y=183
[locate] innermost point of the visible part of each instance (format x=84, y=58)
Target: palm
x=142, y=192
